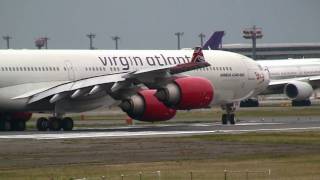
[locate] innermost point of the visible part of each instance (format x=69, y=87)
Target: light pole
x=253, y=33
x=7, y=39
x=178, y=34
x=91, y=36
x=201, y=36
x=45, y=42
x=116, y=39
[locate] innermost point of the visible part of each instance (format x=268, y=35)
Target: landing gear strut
x=54, y=124
x=229, y=115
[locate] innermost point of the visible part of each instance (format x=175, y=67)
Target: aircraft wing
x=277, y=86
x=114, y=82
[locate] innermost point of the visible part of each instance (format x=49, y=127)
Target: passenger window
x=2, y=68
x=58, y=69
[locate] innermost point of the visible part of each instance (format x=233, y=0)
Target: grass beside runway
x=293, y=156
x=303, y=167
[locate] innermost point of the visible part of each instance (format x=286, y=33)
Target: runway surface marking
x=74, y=135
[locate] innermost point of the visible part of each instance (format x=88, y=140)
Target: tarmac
x=279, y=124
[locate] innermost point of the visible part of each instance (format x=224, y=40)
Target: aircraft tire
x=67, y=124
x=224, y=119
x=5, y=125
x=42, y=124
x=231, y=119
x=18, y=125
x=54, y=124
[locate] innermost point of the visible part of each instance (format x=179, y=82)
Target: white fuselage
x=233, y=76
x=291, y=68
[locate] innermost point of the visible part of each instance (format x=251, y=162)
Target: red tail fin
x=197, y=55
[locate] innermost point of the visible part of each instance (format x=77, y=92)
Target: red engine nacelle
x=187, y=93
x=144, y=106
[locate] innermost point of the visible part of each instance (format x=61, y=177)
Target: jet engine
x=298, y=90
x=144, y=106
x=187, y=93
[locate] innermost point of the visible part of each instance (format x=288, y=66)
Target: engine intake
x=144, y=106
x=298, y=90
x=187, y=93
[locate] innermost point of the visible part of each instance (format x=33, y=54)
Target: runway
x=159, y=130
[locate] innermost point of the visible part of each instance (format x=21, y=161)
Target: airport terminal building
x=277, y=50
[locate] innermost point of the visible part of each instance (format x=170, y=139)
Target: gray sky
x=150, y=24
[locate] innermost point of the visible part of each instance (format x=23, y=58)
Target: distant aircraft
x=296, y=78
x=215, y=41
x=149, y=85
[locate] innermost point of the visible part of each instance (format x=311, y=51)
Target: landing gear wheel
x=231, y=119
x=228, y=118
x=54, y=124
x=228, y=115
x=42, y=124
x=224, y=119
x=305, y=102
x=5, y=125
x=67, y=124
x=18, y=125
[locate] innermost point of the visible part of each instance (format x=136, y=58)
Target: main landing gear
x=54, y=124
x=9, y=124
x=229, y=115
x=305, y=102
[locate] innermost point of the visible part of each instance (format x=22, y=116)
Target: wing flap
x=75, y=86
